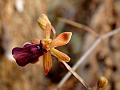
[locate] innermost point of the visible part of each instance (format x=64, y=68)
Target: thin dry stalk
x=76, y=75
x=78, y=25
x=54, y=32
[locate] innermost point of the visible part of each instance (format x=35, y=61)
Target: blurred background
x=18, y=24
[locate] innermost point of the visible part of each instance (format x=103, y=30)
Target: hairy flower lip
x=29, y=53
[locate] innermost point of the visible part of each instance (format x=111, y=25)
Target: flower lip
x=28, y=54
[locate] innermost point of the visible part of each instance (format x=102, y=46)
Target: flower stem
x=76, y=75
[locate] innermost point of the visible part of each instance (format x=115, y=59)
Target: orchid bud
x=102, y=82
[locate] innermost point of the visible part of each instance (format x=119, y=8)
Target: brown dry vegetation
x=17, y=27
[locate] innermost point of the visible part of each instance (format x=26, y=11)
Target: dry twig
x=76, y=75
x=78, y=25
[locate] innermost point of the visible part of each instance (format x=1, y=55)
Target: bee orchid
x=46, y=47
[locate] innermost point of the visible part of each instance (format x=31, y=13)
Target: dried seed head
x=102, y=82
x=43, y=21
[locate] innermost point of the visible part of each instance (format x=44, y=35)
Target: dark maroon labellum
x=28, y=54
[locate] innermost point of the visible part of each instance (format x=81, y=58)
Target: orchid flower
x=46, y=47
